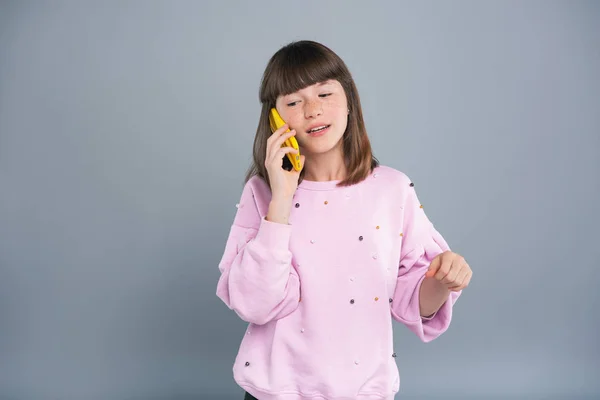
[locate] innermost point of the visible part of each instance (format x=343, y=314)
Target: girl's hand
x=283, y=183
x=451, y=270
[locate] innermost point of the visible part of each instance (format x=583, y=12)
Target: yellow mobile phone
x=277, y=122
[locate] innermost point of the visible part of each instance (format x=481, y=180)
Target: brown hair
x=296, y=66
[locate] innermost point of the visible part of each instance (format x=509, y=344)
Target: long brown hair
x=296, y=66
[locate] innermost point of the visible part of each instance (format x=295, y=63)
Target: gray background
x=126, y=129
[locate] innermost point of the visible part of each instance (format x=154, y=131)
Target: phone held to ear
x=277, y=122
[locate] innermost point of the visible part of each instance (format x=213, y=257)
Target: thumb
x=433, y=267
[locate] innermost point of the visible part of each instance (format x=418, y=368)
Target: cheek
x=295, y=119
x=290, y=116
x=338, y=110
x=338, y=104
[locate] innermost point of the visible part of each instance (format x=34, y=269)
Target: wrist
x=280, y=199
x=279, y=210
x=436, y=286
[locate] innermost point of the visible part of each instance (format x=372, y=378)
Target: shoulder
x=256, y=185
x=392, y=176
x=253, y=203
x=392, y=185
x=256, y=191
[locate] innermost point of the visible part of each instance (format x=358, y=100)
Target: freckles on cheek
x=294, y=119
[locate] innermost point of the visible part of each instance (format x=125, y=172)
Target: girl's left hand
x=451, y=270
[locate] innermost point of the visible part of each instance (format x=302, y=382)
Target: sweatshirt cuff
x=429, y=317
x=274, y=234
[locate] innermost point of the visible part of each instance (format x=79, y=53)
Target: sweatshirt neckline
x=330, y=185
x=319, y=185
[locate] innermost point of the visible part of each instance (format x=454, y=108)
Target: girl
x=319, y=262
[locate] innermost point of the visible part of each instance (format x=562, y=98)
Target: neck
x=324, y=167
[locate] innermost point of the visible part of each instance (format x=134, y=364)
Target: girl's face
x=322, y=105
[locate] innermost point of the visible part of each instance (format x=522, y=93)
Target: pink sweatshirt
x=320, y=293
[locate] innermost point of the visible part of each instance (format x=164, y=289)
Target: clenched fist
x=451, y=270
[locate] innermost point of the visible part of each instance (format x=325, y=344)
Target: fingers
x=279, y=154
x=435, y=265
x=451, y=270
x=275, y=143
x=433, y=268
x=276, y=158
x=457, y=266
x=279, y=136
x=444, y=269
x=440, y=266
x=462, y=280
x=278, y=132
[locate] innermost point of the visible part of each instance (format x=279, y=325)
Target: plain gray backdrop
x=126, y=128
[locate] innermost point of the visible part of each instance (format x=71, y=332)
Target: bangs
x=296, y=67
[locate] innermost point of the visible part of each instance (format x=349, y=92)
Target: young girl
x=319, y=262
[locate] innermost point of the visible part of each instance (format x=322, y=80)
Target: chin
x=323, y=148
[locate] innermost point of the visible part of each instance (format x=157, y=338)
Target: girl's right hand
x=283, y=183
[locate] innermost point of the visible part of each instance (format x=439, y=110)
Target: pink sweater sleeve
x=257, y=279
x=421, y=243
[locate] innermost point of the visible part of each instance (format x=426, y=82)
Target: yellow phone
x=277, y=122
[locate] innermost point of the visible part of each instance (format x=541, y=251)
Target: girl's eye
x=321, y=95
